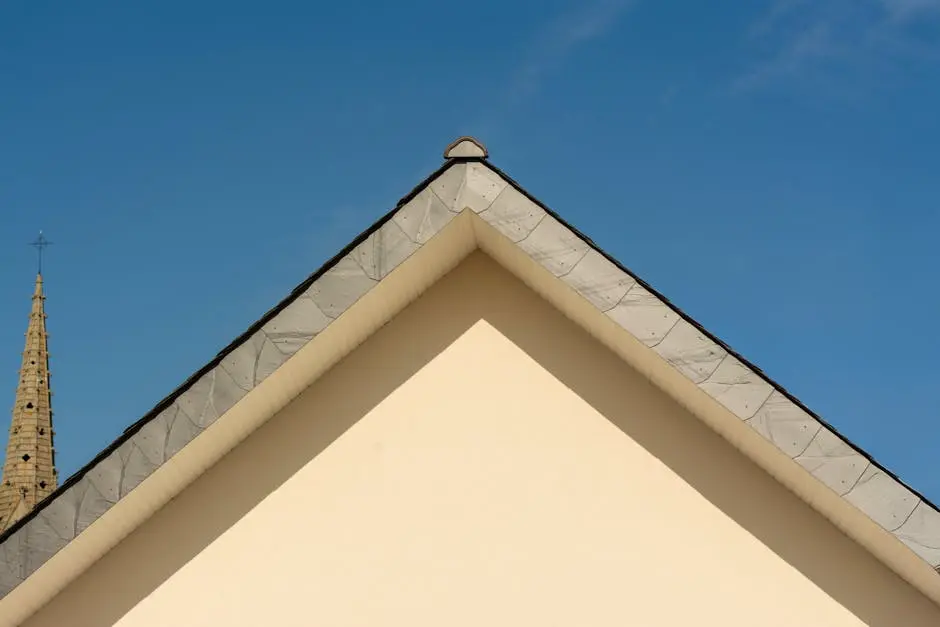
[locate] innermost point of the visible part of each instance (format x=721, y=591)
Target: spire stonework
x=29, y=473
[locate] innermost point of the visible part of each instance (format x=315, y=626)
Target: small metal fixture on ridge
x=464, y=147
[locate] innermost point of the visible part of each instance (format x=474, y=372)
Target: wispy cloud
x=828, y=41
x=550, y=46
x=903, y=10
x=560, y=38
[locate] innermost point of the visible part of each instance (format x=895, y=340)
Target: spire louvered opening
x=22, y=486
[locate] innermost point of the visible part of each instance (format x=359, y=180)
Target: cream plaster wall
x=481, y=460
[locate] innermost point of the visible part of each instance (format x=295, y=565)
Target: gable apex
x=494, y=213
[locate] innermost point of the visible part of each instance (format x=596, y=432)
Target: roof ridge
x=468, y=182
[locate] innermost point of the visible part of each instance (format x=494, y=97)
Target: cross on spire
x=40, y=243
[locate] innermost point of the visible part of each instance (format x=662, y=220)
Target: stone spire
x=29, y=473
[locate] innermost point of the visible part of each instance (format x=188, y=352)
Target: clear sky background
x=771, y=167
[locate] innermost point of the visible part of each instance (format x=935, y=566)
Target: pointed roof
x=475, y=205
x=29, y=473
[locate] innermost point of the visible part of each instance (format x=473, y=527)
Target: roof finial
x=40, y=243
x=465, y=147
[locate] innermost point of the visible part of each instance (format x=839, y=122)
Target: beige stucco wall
x=481, y=460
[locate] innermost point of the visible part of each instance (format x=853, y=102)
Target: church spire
x=29, y=473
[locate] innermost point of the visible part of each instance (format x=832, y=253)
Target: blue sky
x=770, y=167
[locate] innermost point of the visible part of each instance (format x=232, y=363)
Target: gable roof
x=468, y=184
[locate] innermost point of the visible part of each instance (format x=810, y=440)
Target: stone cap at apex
x=464, y=147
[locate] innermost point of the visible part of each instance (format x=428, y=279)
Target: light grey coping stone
x=465, y=147
x=468, y=182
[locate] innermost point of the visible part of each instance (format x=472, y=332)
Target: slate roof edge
x=777, y=386
x=411, y=200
